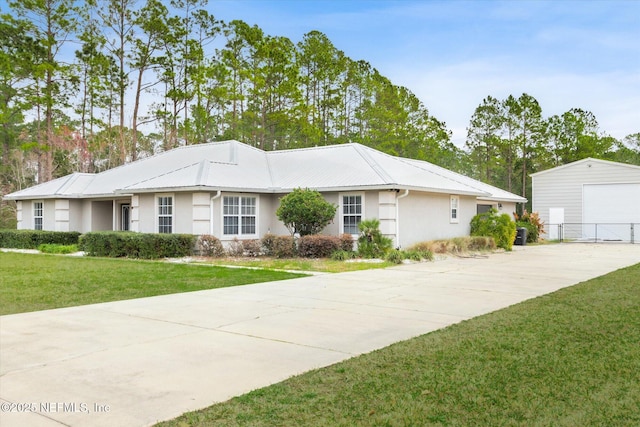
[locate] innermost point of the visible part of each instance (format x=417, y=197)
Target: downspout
x=217, y=196
x=405, y=194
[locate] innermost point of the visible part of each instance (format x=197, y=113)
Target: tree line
x=87, y=86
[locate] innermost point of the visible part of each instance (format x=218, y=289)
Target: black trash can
x=521, y=236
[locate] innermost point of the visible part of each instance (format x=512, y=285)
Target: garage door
x=608, y=205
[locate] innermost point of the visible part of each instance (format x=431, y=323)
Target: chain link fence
x=594, y=232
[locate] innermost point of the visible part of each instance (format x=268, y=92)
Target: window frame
x=454, y=209
x=246, y=215
x=343, y=215
x=38, y=225
x=160, y=215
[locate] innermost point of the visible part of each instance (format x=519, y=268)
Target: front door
x=124, y=216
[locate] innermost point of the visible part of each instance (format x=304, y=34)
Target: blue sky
x=452, y=54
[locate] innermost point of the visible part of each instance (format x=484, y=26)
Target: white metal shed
x=591, y=199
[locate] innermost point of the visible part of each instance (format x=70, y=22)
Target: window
x=38, y=215
x=165, y=214
x=455, y=203
x=351, y=213
x=239, y=215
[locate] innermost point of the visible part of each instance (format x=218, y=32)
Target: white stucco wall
x=102, y=215
x=183, y=213
x=147, y=222
x=427, y=216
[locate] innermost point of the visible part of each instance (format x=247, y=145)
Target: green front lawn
x=31, y=282
x=571, y=358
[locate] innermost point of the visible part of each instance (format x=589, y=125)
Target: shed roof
x=234, y=166
x=586, y=160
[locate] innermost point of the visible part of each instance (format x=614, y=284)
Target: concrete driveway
x=136, y=362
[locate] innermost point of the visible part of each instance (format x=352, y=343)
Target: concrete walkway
x=132, y=363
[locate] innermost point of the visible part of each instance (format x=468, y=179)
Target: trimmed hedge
x=31, y=239
x=117, y=244
x=208, y=245
x=318, y=246
x=279, y=246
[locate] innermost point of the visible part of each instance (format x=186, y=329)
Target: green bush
x=116, y=244
x=318, y=246
x=532, y=222
x=491, y=224
x=371, y=242
x=395, y=256
x=532, y=230
x=419, y=255
x=342, y=255
x=305, y=211
x=50, y=248
x=31, y=239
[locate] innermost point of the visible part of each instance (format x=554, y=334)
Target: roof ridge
x=169, y=172
x=586, y=159
x=379, y=170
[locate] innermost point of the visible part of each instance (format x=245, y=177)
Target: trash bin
x=521, y=236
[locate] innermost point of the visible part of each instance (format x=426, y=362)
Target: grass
x=31, y=282
x=570, y=358
x=300, y=264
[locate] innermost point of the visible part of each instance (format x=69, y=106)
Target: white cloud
x=451, y=93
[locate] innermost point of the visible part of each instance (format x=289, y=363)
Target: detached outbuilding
x=591, y=199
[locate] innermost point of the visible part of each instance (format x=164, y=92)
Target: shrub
x=117, y=244
x=455, y=245
x=210, y=246
x=283, y=247
x=318, y=246
x=342, y=255
x=395, y=256
x=50, y=248
x=346, y=242
x=251, y=247
x=371, y=243
x=491, y=224
x=235, y=248
x=268, y=243
x=532, y=231
x=533, y=224
x=305, y=211
x=31, y=239
x=418, y=255
x=481, y=243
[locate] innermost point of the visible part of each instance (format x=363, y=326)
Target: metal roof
x=234, y=166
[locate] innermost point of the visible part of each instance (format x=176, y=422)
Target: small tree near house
x=305, y=211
